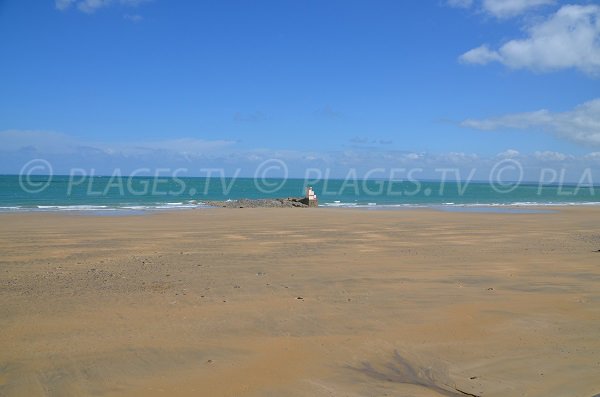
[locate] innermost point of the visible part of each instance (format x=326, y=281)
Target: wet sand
x=297, y=302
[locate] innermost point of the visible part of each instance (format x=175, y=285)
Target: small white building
x=312, y=197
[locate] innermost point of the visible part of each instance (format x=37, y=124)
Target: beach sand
x=300, y=302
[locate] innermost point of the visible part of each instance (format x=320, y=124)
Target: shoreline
x=294, y=203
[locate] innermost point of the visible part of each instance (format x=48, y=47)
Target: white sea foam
x=339, y=204
x=73, y=207
x=334, y=204
x=2, y=209
x=467, y=205
x=103, y=208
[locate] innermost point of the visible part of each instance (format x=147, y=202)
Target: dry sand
x=393, y=303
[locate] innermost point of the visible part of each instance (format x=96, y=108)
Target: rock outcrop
x=289, y=202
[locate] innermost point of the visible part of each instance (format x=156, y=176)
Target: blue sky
x=124, y=83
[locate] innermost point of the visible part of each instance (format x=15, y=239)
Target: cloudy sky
x=155, y=83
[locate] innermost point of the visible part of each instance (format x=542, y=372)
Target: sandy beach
x=301, y=302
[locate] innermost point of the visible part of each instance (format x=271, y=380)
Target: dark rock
x=289, y=202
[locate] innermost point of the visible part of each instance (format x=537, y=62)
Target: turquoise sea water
x=63, y=193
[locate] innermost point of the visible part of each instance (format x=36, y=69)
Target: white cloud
x=511, y=8
x=133, y=3
x=460, y=3
x=508, y=154
x=459, y=157
x=513, y=121
x=570, y=38
x=580, y=125
x=480, y=55
x=593, y=156
x=91, y=6
x=502, y=8
x=63, y=4
x=551, y=156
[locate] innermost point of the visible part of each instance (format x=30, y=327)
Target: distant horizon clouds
x=67, y=153
x=580, y=125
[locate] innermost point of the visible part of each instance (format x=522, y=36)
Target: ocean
x=66, y=193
